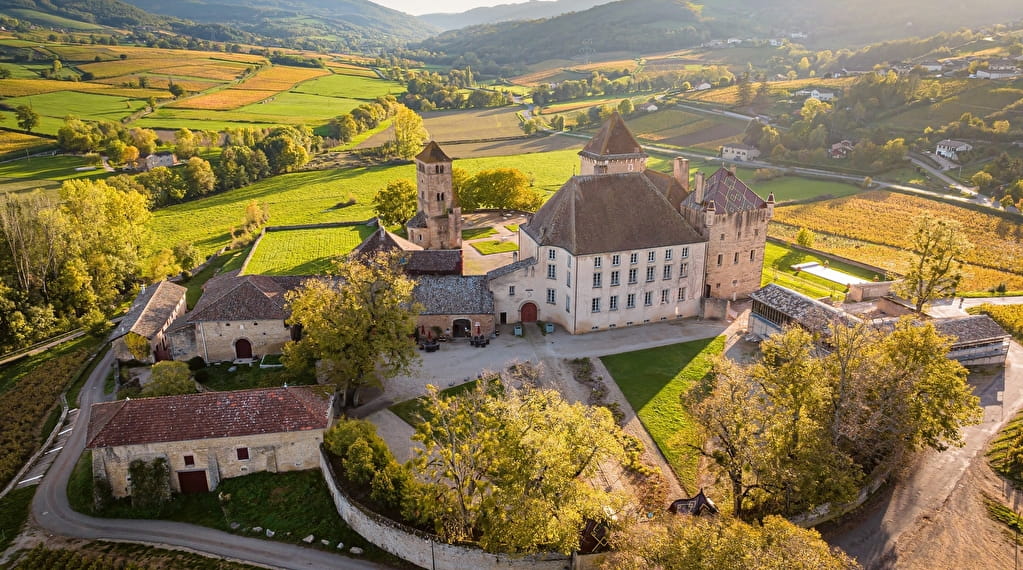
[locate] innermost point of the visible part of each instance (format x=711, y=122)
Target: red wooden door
x=193, y=482
x=527, y=313
x=243, y=349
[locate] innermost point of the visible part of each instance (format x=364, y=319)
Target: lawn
x=349, y=86
x=512, y=227
x=304, y=252
x=412, y=410
x=293, y=505
x=778, y=260
x=654, y=381
x=311, y=109
x=476, y=233
x=244, y=377
x=14, y=509
x=57, y=168
x=495, y=246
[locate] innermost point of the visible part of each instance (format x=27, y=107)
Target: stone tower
x=733, y=219
x=438, y=223
x=613, y=150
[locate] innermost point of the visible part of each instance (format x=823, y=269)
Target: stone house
x=210, y=436
x=950, y=149
x=151, y=314
x=151, y=161
x=418, y=261
x=457, y=305
x=739, y=151
x=237, y=318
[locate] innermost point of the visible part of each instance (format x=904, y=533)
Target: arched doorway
x=242, y=349
x=527, y=313
x=460, y=328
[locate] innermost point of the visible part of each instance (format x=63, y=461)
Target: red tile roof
x=244, y=298
x=209, y=415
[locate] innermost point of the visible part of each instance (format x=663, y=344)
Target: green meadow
x=349, y=86
x=304, y=252
x=53, y=107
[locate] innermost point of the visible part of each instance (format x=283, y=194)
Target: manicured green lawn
x=778, y=262
x=654, y=381
x=412, y=410
x=304, y=252
x=512, y=227
x=492, y=247
x=477, y=233
x=349, y=86
x=14, y=508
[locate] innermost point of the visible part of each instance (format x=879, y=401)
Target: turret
x=708, y=214
x=613, y=150
x=770, y=205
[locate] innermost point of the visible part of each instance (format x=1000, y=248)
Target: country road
x=880, y=536
x=52, y=513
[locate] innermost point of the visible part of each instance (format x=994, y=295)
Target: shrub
x=358, y=462
x=150, y=483
x=390, y=485
x=202, y=376
x=196, y=363
x=345, y=433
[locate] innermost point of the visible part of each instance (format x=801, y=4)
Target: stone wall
x=866, y=291
x=446, y=323
x=422, y=549
x=273, y=452
x=735, y=253
x=216, y=340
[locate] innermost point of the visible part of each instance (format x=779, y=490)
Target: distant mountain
x=103, y=12
x=350, y=24
x=532, y=10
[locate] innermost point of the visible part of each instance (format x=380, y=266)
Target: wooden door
x=242, y=349
x=193, y=482
x=528, y=313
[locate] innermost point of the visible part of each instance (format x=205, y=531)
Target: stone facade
x=217, y=341
x=218, y=458
x=438, y=223
x=150, y=316
x=450, y=324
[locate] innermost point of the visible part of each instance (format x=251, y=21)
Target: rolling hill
x=532, y=10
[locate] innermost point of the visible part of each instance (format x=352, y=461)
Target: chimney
x=698, y=187
x=708, y=214
x=770, y=205
x=681, y=171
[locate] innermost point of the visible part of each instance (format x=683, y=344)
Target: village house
x=155, y=308
x=739, y=151
x=950, y=149
x=210, y=436
x=151, y=161
x=841, y=149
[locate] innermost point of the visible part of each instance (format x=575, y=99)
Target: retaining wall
x=420, y=548
x=881, y=272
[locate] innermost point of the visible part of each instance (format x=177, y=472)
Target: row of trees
x=366, y=116
x=428, y=91
x=503, y=188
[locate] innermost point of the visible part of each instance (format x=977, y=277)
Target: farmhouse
x=739, y=151
x=210, y=436
x=841, y=149
x=151, y=161
x=150, y=316
x=950, y=149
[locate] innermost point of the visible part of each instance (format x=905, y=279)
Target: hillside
x=343, y=24
x=532, y=10
x=103, y=12
x=628, y=25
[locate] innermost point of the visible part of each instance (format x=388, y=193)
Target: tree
x=184, y=144
x=982, y=180
x=170, y=378
x=27, y=117
x=625, y=107
x=143, y=139
x=396, y=203
x=805, y=237
x=698, y=543
x=936, y=268
x=162, y=184
x=504, y=188
x=176, y=90
x=138, y=346
x=409, y=132
x=355, y=325
x=197, y=177
x=510, y=468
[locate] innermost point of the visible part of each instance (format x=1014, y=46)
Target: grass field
x=50, y=20
x=495, y=246
x=304, y=252
x=349, y=86
x=778, y=262
x=60, y=167
x=477, y=233
x=654, y=381
x=685, y=129
x=981, y=98
x=308, y=109
x=53, y=107
x=463, y=125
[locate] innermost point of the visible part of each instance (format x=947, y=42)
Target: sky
x=416, y=7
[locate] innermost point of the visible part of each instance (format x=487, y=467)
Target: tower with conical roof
x=613, y=150
x=438, y=222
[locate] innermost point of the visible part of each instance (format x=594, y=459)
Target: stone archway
x=461, y=328
x=528, y=313
x=242, y=349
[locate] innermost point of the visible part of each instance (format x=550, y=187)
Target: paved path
x=51, y=512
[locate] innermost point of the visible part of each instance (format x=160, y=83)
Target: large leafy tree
x=504, y=188
x=510, y=469
x=170, y=378
x=695, y=543
x=409, y=132
x=396, y=203
x=27, y=117
x=936, y=268
x=355, y=323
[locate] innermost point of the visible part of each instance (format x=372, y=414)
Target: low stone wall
x=866, y=291
x=881, y=272
x=420, y=548
x=716, y=309
x=827, y=512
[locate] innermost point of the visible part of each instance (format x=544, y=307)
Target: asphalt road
x=889, y=526
x=51, y=512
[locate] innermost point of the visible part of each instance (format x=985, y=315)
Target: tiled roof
x=729, y=194
x=668, y=186
x=453, y=295
x=209, y=415
x=151, y=310
x=609, y=212
x=419, y=261
x=510, y=268
x=417, y=221
x=613, y=139
x=432, y=153
x=808, y=312
x=383, y=240
x=243, y=298
x=970, y=329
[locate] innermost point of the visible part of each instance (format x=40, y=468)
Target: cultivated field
x=304, y=252
x=27, y=87
x=223, y=100
x=281, y=78
x=685, y=129
x=468, y=125
x=349, y=69
x=729, y=96
x=980, y=100
x=53, y=107
x=11, y=142
x=349, y=86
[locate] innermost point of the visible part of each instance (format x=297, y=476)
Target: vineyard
x=109, y=556
x=303, y=252
x=224, y=100
x=1010, y=317
x=14, y=142
x=281, y=78
x=878, y=218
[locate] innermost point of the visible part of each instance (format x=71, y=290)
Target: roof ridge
x=119, y=404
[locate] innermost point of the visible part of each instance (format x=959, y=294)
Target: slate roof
x=209, y=415
x=808, y=312
x=244, y=298
x=698, y=505
x=417, y=221
x=613, y=140
x=383, y=240
x=974, y=328
x=454, y=295
x=668, y=186
x=151, y=310
x=609, y=212
x=418, y=261
x=432, y=153
x=729, y=194
x=510, y=268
